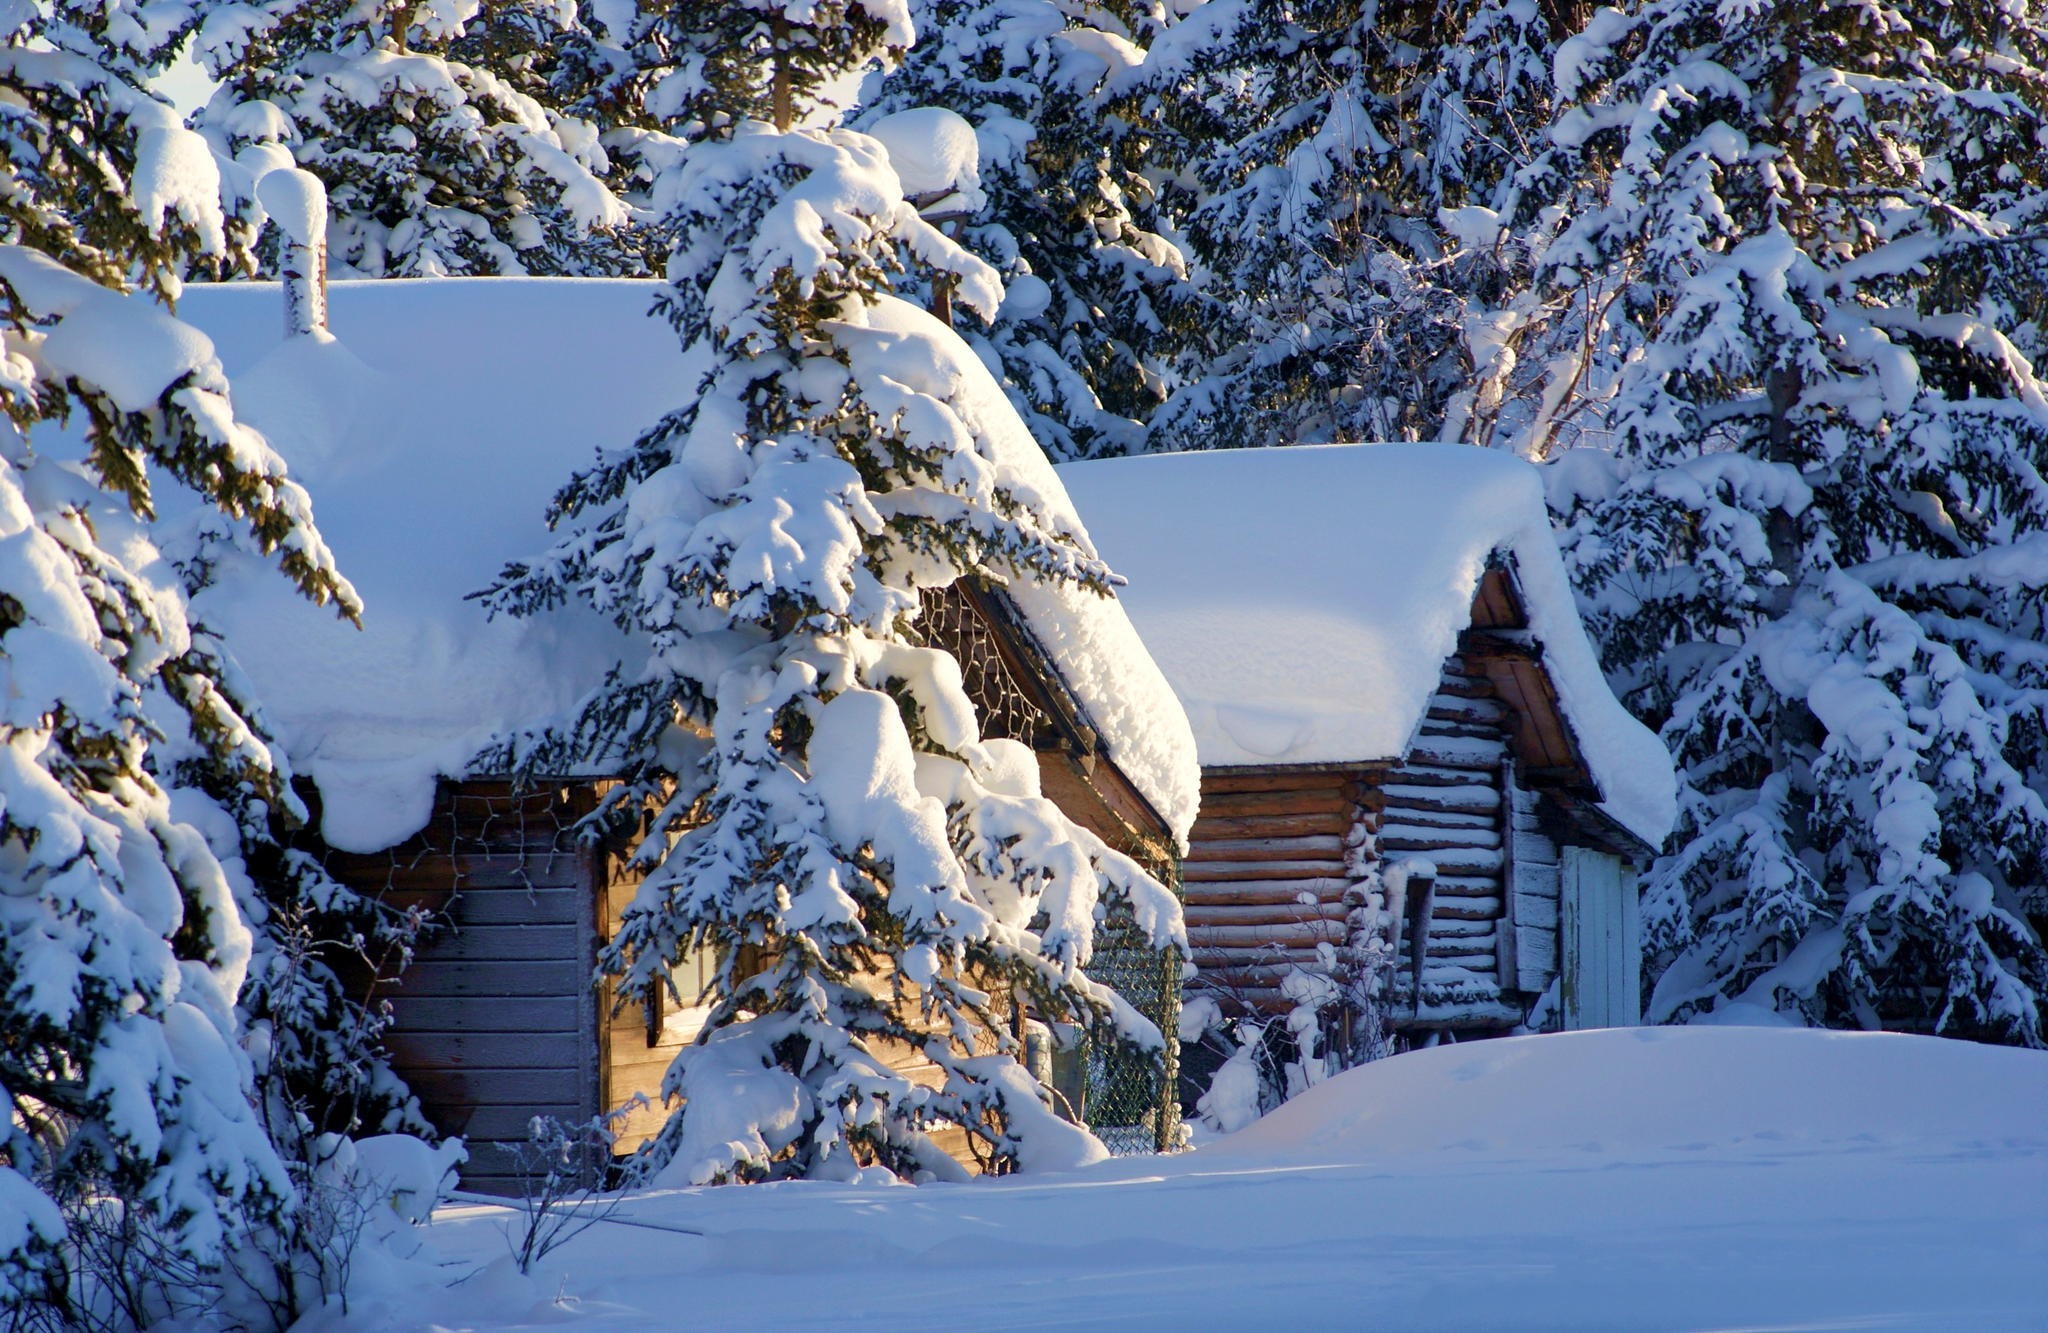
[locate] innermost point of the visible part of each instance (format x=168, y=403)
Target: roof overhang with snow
x=1303, y=601
x=433, y=429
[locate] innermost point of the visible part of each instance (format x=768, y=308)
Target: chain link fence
x=1125, y=1094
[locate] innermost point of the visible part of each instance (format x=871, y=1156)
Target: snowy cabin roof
x=1303, y=600
x=432, y=432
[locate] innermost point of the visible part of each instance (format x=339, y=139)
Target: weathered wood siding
x=499, y=1021
x=1266, y=876
x=1492, y=786
x=635, y=1048
x=1448, y=802
x=1444, y=803
x=1534, y=905
x=494, y=1021
x=1280, y=859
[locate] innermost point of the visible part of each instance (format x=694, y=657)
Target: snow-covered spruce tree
x=431, y=127
x=1819, y=552
x=1066, y=212
x=323, y=1079
x=122, y=948
x=868, y=872
x=1348, y=163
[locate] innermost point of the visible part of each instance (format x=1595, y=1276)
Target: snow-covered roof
x=1302, y=600
x=432, y=431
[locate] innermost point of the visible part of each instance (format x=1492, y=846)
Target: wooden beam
x=1284, y=777
x=1307, y=847
x=1122, y=796
x=1325, y=801
x=1085, y=799
x=1247, y=892
x=1194, y=872
x=1209, y=828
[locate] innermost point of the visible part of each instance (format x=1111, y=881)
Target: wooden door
x=1599, y=982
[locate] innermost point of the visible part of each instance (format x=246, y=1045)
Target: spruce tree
x=827, y=822
x=437, y=131
x=1803, y=241
x=123, y=947
x=1344, y=166
x=1096, y=292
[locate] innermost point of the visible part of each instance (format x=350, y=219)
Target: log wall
x=1282, y=857
x=1266, y=876
x=1444, y=803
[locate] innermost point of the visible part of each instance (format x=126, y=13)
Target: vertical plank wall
x=1535, y=883
x=493, y=1021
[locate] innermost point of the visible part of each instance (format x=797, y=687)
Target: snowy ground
x=1715, y=1178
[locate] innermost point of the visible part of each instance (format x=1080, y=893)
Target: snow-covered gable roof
x=1303, y=600
x=431, y=432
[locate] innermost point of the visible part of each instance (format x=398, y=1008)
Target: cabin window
x=692, y=975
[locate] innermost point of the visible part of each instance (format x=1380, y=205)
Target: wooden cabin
x=431, y=457
x=496, y=1021
x=1411, y=764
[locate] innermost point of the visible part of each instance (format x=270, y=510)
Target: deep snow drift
x=1688, y=1178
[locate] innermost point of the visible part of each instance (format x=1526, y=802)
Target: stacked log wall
x=1276, y=851
x=1446, y=803
x=1266, y=876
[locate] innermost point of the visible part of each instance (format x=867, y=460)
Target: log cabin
x=1411, y=762
x=432, y=424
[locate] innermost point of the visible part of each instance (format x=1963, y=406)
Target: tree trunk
x=780, y=90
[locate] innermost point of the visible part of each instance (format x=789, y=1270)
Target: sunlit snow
x=1688, y=1178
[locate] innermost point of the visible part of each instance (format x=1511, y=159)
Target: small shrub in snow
x=563, y=1170
x=1336, y=1021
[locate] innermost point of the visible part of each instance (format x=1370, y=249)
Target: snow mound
x=935, y=153
x=1654, y=1091
x=1302, y=600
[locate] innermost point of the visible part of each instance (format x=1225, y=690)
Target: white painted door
x=1601, y=940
